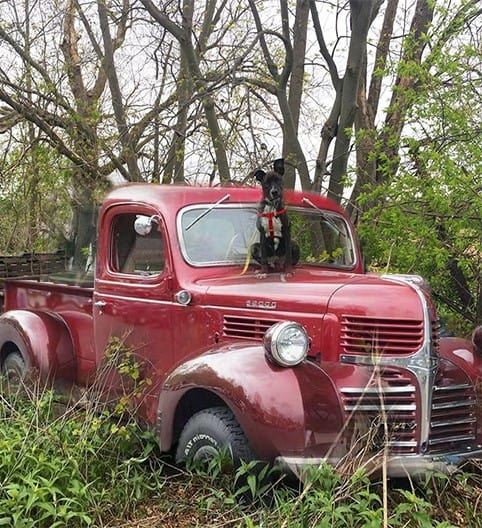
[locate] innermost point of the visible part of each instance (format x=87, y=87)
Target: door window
x=133, y=253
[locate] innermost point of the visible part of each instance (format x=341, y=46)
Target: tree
x=191, y=65
x=286, y=85
x=205, y=92
x=67, y=105
x=429, y=216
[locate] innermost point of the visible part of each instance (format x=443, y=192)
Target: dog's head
x=272, y=182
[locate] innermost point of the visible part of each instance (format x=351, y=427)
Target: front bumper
x=413, y=466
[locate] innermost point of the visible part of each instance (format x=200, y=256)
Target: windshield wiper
x=207, y=211
x=326, y=218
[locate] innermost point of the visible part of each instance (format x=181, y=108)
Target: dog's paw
x=260, y=275
x=286, y=275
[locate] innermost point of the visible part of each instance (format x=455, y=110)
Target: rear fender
x=42, y=339
x=276, y=407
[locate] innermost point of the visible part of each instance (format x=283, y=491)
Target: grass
x=68, y=465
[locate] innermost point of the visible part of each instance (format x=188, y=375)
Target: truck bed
x=29, y=265
x=58, y=293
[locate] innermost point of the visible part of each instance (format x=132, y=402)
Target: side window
x=133, y=253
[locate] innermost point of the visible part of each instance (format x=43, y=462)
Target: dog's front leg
x=264, y=253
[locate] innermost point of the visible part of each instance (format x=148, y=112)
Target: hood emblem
x=265, y=305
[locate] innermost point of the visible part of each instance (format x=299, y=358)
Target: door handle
x=100, y=305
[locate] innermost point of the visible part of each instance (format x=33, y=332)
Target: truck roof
x=174, y=197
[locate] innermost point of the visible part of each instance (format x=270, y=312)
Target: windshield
x=223, y=235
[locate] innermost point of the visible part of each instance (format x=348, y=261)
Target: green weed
x=68, y=469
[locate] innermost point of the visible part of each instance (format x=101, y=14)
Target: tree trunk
x=388, y=154
x=367, y=111
x=128, y=147
x=363, y=13
x=296, y=85
x=183, y=36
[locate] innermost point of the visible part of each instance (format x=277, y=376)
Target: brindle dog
x=275, y=249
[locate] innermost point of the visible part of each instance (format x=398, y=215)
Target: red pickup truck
x=291, y=368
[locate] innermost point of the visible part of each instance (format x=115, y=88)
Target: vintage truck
x=327, y=363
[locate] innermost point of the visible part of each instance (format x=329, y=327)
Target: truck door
x=132, y=301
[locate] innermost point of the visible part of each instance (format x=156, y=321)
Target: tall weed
x=70, y=467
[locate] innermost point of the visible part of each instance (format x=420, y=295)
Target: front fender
x=281, y=410
x=42, y=339
x=461, y=352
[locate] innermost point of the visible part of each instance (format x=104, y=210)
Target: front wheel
x=212, y=433
x=13, y=366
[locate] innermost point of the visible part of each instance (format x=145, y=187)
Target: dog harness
x=270, y=215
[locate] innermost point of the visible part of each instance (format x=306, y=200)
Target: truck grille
x=370, y=335
x=452, y=421
x=453, y=417
x=393, y=401
x=435, y=324
x=246, y=327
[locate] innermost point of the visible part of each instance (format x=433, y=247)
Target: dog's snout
x=274, y=192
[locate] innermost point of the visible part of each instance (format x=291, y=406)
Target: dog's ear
x=279, y=166
x=259, y=174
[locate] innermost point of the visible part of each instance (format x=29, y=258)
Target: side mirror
x=143, y=224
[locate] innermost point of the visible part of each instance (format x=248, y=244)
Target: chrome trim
x=397, y=466
x=450, y=405
x=403, y=443
x=447, y=439
x=385, y=406
x=460, y=421
x=378, y=390
x=460, y=386
x=423, y=363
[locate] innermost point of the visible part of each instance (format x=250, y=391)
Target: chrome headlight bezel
x=286, y=343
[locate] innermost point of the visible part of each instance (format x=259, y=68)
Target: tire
x=211, y=433
x=13, y=367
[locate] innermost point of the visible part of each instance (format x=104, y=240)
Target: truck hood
x=314, y=292
x=343, y=313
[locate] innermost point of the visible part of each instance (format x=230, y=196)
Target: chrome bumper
x=413, y=466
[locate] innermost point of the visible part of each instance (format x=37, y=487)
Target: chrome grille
x=246, y=327
x=393, y=401
x=387, y=336
x=453, y=416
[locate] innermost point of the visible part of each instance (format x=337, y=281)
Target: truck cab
x=326, y=363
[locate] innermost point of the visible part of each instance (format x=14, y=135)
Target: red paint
x=210, y=351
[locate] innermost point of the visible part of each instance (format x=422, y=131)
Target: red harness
x=270, y=216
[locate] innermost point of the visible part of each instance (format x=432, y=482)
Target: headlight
x=286, y=343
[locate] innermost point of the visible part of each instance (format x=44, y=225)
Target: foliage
x=67, y=467
x=429, y=217
x=70, y=465
x=206, y=91
x=34, y=201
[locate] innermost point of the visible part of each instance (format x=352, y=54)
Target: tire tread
x=220, y=418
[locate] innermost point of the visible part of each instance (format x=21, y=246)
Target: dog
x=275, y=249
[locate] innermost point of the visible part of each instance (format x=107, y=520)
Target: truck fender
x=279, y=409
x=461, y=352
x=42, y=339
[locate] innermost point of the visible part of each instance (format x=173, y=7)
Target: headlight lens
x=286, y=343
